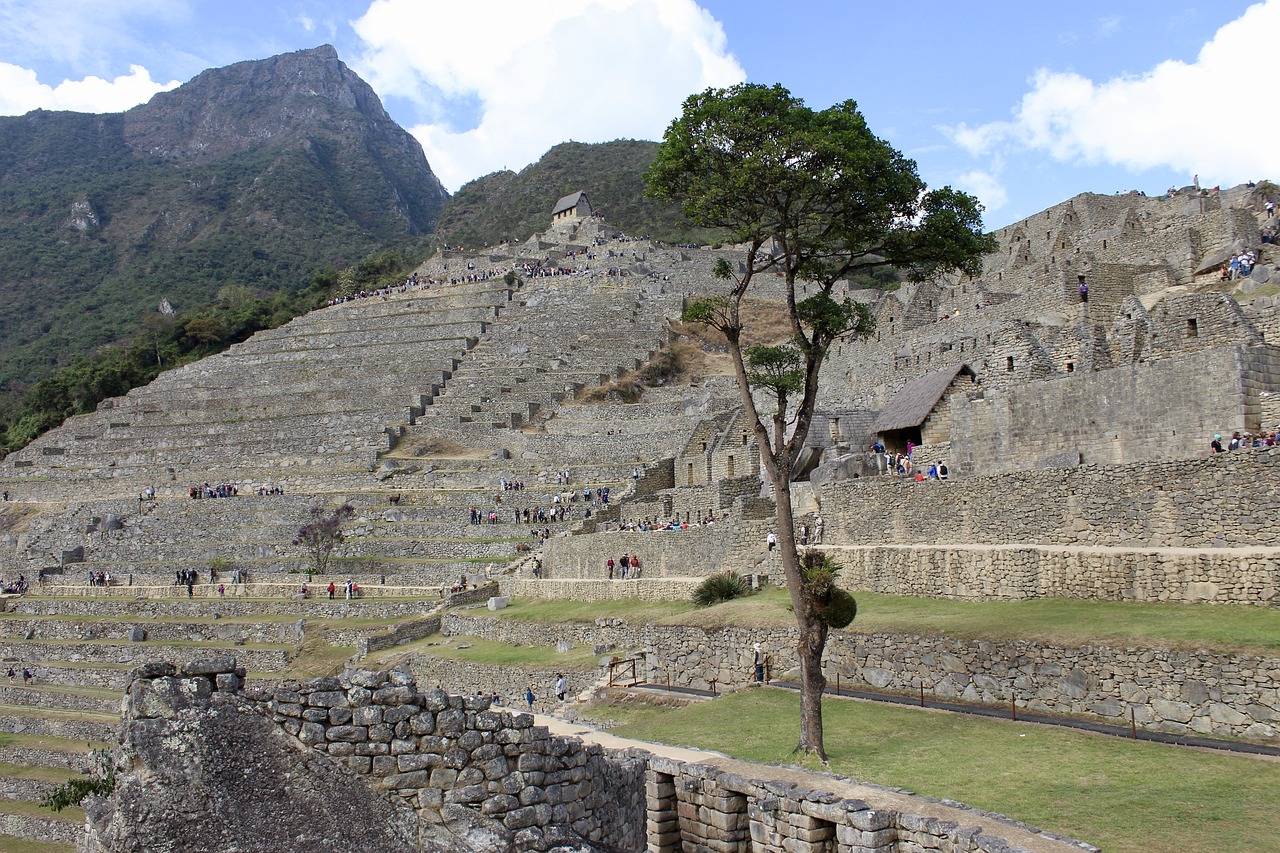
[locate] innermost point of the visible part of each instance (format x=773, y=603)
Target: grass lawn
x=26, y=845
x=1124, y=796
x=492, y=653
x=1053, y=620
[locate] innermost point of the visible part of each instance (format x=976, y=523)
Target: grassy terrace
x=1057, y=620
x=491, y=653
x=1125, y=796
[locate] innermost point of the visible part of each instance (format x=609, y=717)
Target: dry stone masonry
x=388, y=766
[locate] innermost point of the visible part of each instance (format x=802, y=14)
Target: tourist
x=528, y=697
x=1084, y=291
x=562, y=686
x=332, y=590
x=817, y=530
x=222, y=591
x=758, y=663
x=1216, y=444
x=943, y=472
x=771, y=541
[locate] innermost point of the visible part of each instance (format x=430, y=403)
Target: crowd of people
x=224, y=490
x=1244, y=441
x=1238, y=267
x=902, y=465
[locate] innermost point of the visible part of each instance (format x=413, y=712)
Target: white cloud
x=1191, y=117
x=21, y=91
x=502, y=82
x=986, y=186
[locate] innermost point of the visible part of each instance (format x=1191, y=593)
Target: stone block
x=350, y=734
x=367, y=715
x=398, y=714
x=392, y=694
x=442, y=777
x=466, y=794
x=327, y=699
x=311, y=733
x=211, y=666
x=407, y=763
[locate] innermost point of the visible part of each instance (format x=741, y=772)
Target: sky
x=1022, y=104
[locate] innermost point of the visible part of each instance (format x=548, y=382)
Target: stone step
x=87, y=674
x=42, y=695
x=30, y=821
x=263, y=657
x=29, y=788
x=156, y=631
x=30, y=749
x=378, y=609
x=84, y=726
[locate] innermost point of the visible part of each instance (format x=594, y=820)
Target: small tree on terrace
x=818, y=199
x=322, y=534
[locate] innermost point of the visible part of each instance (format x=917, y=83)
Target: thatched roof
x=916, y=400
x=568, y=202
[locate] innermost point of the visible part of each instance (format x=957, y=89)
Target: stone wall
x=1222, y=501
x=1020, y=572
x=444, y=755
x=1124, y=414
x=696, y=552
x=433, y=749
x=405, y=632
x=1166, y=690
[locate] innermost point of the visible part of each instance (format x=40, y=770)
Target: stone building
x=572, y=206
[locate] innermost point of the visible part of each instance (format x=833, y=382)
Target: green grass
x=38, y=772
x=1125, y=796
x=493, y=653
x=9, y=844
x=71, y=814
x=50, y=742
x=1053, y=620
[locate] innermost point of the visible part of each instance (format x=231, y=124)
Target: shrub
x=717, y=588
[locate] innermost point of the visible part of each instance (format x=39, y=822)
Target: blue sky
x=1022, y=104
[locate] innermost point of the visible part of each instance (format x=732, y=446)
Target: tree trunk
x=812, y=631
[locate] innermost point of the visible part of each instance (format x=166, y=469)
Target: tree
x=322, y=534
x=819, y=199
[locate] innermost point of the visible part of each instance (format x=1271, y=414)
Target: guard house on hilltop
x=572, y=206
x=921, y=411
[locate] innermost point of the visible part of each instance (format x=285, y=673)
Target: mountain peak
x=223, y=110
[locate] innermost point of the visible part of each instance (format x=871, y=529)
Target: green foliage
x=724, y=586
x=100, y=781
x=162, y=342
x=818, y=572
x=841, y=609
x=777, y=368
x=260, y=219
x=510, y=206
x=220, y=565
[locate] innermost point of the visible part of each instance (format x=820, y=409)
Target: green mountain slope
x=256, y=174
x=507, y=205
